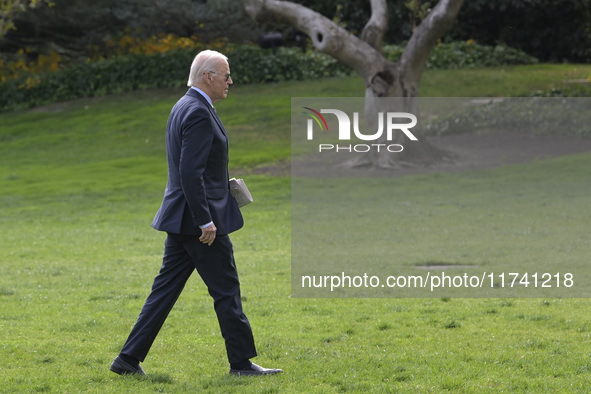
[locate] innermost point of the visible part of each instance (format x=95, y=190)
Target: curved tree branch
x=326, y=36
x=376, y=26
x=425, y=37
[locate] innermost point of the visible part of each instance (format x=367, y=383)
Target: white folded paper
x=240, y=192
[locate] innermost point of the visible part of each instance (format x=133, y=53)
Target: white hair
x=204, y=61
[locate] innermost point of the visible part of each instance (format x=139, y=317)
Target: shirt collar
x=203, y=94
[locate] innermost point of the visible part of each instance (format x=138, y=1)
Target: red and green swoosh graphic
x=317, y=117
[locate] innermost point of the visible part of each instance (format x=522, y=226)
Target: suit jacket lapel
x=194, y=93
x=218, y=120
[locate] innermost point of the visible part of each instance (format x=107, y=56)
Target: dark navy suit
x=197, y=192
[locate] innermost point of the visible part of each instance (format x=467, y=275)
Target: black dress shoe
x=255, y=370
x=124, y=368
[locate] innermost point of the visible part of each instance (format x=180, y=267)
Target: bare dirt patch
x=473, y=152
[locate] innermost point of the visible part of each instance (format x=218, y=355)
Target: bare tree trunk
x=382, y=78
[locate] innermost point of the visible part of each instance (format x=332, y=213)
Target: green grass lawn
x=501, y=81
x=81, y=181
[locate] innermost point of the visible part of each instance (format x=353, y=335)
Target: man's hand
x=208, y=234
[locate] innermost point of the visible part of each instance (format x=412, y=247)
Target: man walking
x=197, y=212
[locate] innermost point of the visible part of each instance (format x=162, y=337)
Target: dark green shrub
x=252, y=64
x=551, y=30
x=249, y=64
x=466, y=55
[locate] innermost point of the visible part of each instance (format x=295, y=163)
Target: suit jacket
x=198, y=190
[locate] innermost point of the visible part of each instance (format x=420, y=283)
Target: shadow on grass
x=159, y=378
x=227, y=381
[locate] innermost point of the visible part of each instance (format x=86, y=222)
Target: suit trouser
x=215, y=264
